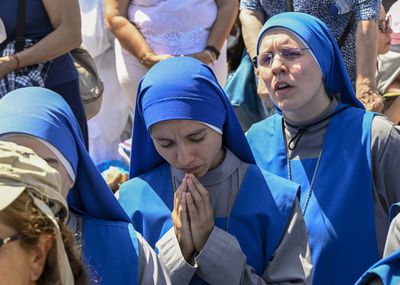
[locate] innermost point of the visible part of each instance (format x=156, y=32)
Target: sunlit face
x=15, y=260
x=188, y=145
x=295, y=85
x=384, y=33
x=45, y=153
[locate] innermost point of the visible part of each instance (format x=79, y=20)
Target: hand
x=181, y=221
x=203, y=57
x=151, y=59
x=200, y=212
x=371, y=100
x=7, y=64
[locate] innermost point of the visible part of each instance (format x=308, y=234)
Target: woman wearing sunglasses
x=345, y=158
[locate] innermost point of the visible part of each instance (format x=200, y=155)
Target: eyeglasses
x=288, y=54
x=4, y=241
x=385, y=25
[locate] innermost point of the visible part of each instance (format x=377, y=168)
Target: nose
x=185, y=156
x=277, y=64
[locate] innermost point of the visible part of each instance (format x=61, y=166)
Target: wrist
x=210, y=56
x=145, y=58
x=10, y=63
x=213, y=50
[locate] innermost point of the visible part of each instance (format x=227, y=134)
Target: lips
x=281, y=85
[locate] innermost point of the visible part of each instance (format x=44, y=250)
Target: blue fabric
x=37, y=26
x=44, y=114
x=323, y=44
x=182, y=88
x=258, y=218
x=386, y=270
x=339, y=216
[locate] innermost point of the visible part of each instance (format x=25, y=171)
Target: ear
x=39, y=255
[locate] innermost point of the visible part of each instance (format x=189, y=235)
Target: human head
x=33, y=210
x=314, y=34
x=44, y=115
x=384, y=31
x=182, y=89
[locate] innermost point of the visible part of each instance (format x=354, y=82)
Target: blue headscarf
x=42, y=113
x=323, y=44
x=182, y=88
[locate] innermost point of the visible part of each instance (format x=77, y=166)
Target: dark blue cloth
x=182, y=88
x=339, y=217
x=37, y=26
x=323, y=44
x=42, y=113
x=387, y=270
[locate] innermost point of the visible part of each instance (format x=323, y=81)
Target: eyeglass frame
x=255, y=61
x=388, y=24
x=6, y=240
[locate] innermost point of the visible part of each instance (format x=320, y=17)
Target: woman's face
x=15, y=260
x=188, y=145
x=45, y=153
x=384, y=33
x=294, y=83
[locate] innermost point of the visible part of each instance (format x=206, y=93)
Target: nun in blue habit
x=344, y=158
x=113, y=252
x=387, y=270
x=195, y=193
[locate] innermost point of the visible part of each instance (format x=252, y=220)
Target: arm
x=65, y=36
x=366, y=52
x=366, y=13
x=252, y=22
x=116, y=14
x=226, y=16
x=151, y=270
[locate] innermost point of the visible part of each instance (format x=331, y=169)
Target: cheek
x=166, y=153
x=14, y=268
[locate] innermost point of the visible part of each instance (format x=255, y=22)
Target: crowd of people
x=307, y=195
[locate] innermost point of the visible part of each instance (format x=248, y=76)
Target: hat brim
x=9, y=194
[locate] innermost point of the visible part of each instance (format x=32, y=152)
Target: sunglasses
x=288, y=54
x=385, y=25
x=4, y=241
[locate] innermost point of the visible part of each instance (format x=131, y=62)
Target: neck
x=312, y=110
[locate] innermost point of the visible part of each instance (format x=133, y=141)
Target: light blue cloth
x=324, y=47
x=42, y=113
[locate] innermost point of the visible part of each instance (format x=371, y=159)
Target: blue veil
x=323, y=45
x=182, y=88
x=109, y=241
x=44, y=114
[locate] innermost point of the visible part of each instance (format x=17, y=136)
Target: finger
x=178, y=193
x=192, y=210
x=204, y=207
x=201, y=190
x=195, y=194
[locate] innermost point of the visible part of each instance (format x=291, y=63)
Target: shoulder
x=263, y=127
x=383, y=132
x=145, y=180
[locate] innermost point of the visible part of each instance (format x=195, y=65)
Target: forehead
x=183, y=126
x=29, y=141
x=277, y=37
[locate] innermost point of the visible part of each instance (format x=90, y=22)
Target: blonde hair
x=28, y=220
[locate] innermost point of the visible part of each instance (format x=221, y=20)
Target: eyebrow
x=194, y=133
